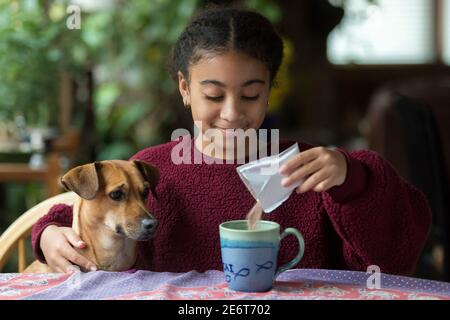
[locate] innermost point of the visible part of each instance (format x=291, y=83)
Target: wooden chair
x=408, y=123
x=16, y=234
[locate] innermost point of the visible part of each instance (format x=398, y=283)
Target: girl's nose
x=231, y=111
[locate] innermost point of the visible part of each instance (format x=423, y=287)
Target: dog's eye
x=117, y=195
x=144, y=193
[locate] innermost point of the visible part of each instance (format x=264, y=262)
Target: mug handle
x=301, y=250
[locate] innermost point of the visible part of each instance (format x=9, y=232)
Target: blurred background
x=372, y=74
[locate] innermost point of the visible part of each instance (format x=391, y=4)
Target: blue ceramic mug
x=249, y=257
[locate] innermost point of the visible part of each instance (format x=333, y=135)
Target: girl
x=353, y=209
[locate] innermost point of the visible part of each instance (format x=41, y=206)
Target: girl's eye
x=216, y=99
x=117, y=195
x=250, y=98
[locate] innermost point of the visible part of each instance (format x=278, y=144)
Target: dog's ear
x=150, y=174
x=83, y=180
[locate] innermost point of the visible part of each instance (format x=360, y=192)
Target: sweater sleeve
x=380, y=218
x=59, y=215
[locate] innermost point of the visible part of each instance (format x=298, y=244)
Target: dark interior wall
x=355, y=85
x=328, y=101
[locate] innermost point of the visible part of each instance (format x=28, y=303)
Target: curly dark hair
x=217, y=30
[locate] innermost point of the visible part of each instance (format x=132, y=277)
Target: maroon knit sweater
x=374, y=218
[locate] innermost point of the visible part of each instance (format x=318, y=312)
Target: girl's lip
x=231, y=129
x=228, y=131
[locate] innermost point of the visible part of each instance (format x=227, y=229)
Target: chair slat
x=22, y=255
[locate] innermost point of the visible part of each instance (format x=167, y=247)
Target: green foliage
x=24, y=45
x=130, y=45
x=268, y=8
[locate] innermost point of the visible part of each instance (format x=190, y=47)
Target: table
x=294, y=284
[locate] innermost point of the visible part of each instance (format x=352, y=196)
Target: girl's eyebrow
x=221, y=84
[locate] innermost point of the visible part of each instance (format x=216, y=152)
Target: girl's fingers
x=303, y=171
x=73, y=238
x=62, y=265
x=77, y=259
x=324, y=185
x=298, y=160
x=313, y=181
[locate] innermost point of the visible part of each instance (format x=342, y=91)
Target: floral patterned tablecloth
x=293, y=284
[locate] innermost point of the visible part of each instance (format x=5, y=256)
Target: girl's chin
x=225, y=139
x=226, y=149
x=215, y=133
x=228, y=144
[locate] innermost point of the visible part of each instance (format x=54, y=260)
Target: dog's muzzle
x=142, y=231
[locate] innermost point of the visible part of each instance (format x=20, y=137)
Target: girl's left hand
x=320, y=168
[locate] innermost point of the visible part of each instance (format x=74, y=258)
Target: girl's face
x=226, y=91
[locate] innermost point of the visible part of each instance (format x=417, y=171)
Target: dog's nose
x=148, y=224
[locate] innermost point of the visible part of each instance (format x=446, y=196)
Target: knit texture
x=374, y=218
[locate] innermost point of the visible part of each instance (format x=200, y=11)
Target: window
x=387, y=32
x=446, y=32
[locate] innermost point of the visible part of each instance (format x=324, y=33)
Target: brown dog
x=110, y=214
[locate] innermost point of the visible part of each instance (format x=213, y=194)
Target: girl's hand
x=57, y=246
x=320, y=168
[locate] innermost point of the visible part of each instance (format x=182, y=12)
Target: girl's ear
x=183, y=86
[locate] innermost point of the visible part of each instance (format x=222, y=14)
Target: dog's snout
x=149, y=224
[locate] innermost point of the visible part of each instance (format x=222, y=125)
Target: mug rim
x=223, y=226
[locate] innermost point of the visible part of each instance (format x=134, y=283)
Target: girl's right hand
x=57, y=246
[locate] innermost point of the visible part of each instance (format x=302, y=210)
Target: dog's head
x=117, y=192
